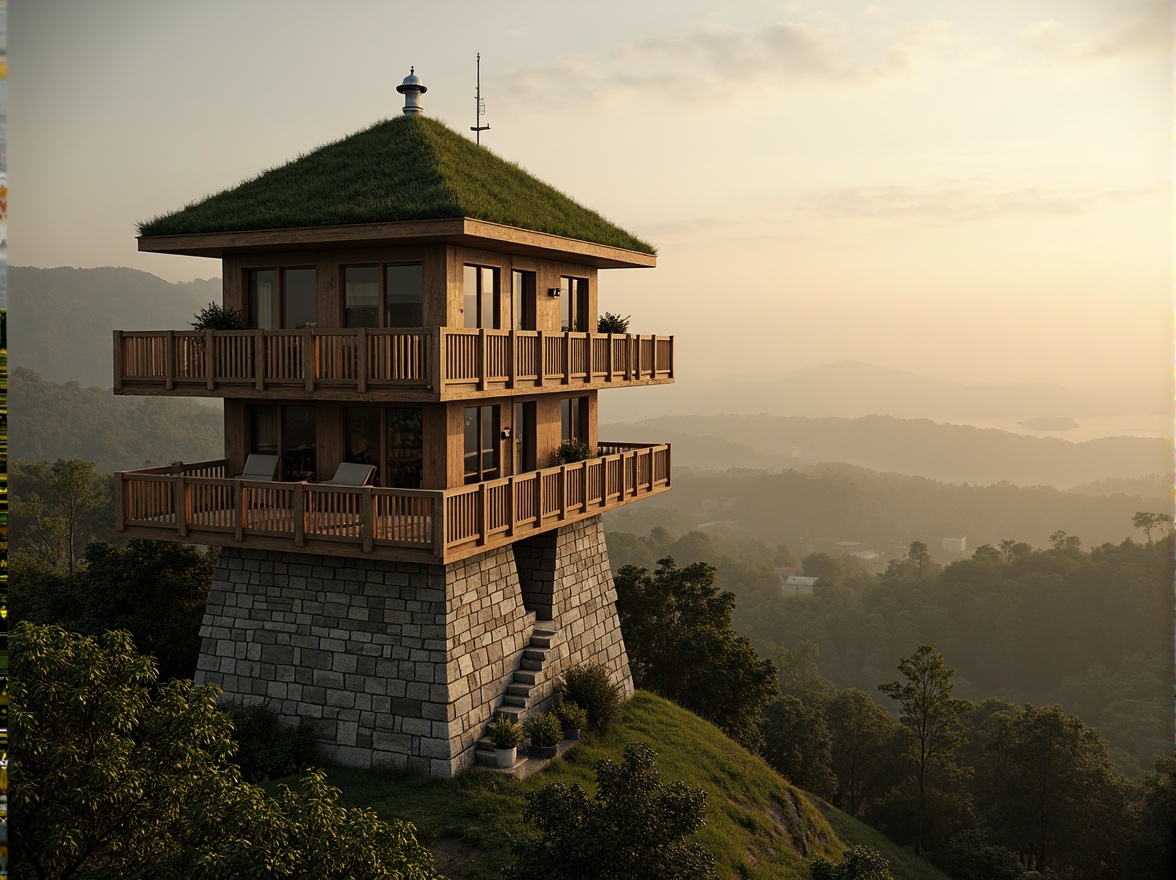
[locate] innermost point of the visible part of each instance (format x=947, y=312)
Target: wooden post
x=567, y=364
x=538, y=499
x=368, y=513
x=563, y=492
x=239, y=530
x=588, y=365
x=510, y=503
x=609, y=362
x=584, y=497
x=169, y=360
x=513, y=351
x=118, y=360
x=361, y=360
x=482, y=358
x=298, y=514
x=671, y=357
x=209, y=360
x=259, y=360
x=541, y=365
x=439, y=525
x=307, y=366
x=483, y=512
x=183, y=503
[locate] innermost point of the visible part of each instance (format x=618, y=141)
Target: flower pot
x=571, y=733
x=542, y=751
x=505, y=758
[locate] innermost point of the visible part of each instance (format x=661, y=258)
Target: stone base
x=403, y=664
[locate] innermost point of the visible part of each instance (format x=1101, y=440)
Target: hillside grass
x=756, y=822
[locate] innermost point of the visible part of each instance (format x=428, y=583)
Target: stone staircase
x=517, y=699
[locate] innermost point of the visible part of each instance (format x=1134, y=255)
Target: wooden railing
x=440, y=360
x=199, y=502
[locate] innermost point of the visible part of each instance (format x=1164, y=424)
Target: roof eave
x=457, y=230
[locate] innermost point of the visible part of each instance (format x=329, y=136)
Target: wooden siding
x=428, y=364
x=198, y=503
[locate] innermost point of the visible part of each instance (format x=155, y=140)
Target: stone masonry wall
x=404, y=664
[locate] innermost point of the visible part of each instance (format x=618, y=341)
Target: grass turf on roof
x=406, y=168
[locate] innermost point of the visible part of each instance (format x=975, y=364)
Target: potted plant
x=544, y=733
x=610, y=323
x=506, y=734
x=572, y=718
x=214, y=316
x=571, y=451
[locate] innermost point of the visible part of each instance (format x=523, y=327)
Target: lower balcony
x=433, y=364
x=199, y=504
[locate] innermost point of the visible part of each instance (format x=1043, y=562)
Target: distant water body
x=1089, y=428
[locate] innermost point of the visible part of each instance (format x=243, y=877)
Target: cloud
x=964, y=201
x=723, y=62
x=1127, y=27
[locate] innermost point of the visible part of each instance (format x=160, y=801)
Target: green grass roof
x=406, y=168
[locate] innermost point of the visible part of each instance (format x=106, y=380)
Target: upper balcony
x=199, y=503
x=425, y=365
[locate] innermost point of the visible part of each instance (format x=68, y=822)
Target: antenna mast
x=480, y=106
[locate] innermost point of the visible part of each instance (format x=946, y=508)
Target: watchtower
x=423, y=314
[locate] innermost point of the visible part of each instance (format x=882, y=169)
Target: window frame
x=280, y=297
x=480, y=473
x=479, y=297
x=382, y=310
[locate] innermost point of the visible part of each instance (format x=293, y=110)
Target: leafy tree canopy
x=682, y=645
x=115, y=775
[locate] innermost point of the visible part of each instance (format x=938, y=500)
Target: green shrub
x=543, y=730
x=635, y=826
x=268, y=749
x=571, y=451
x=610, y=323
x=590, y=685
x=505, y=732
x=571, y=715
x=216, y=317
x=860, y=863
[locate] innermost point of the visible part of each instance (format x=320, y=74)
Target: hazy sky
x=977, y=191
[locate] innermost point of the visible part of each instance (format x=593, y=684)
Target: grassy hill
x=758, y=826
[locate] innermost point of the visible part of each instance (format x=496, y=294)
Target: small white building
x=955, y=543
x=798, y=585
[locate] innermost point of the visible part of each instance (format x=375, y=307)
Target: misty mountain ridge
x=849, y=389
x=944, y=452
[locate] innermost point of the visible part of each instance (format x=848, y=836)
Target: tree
x=797, y=741
x=861, y=732
x=53, y=510
x=116, y=775
x=932, y=717
x=682, y=645
x=635, y=826
x=1148, y=521
x=1049, y=791
x=824, y=567
x=859, y=863
x=155, y=590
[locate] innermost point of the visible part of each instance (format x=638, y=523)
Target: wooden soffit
x=459, y=231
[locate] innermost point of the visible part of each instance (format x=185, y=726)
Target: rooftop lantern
x=412, y=89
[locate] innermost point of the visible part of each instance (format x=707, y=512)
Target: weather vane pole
x=480, y=106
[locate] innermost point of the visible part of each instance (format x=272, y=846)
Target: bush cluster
x=590, y=685
x=571, y=714
x=268, y=749
x=543, y=730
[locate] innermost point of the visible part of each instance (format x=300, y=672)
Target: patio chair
x=260, y=467
x=352, y=473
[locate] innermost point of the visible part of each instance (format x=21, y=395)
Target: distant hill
x=853, y=388
x=57, y=420
x=951, y=453
x=62, y=320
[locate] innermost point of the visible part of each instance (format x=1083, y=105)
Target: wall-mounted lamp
x=506, y=433
x=553, y=291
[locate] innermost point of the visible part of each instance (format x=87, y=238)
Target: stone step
x=538, y=641
x=525, y=676
x=515, y=700
x=519, y=690
x=534, y=654
x=528, y=663
x=510, y=711
x=545, y=629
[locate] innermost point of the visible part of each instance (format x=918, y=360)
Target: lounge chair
x=260, y=467
x=352, y=474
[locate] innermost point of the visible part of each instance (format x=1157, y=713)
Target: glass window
x=405, y=447
x=263, y=430
x=404, y=287
x=524, y=437
x=298, y=299
x=289, y=305
x=361, y=296
x=573, y=304
x=361, y=429
x=522, y=285
x=262, y=295
x=480, y=297
x=298, y=443
x=481, y=443
x=572, y=417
